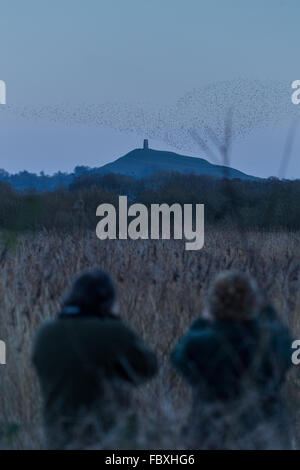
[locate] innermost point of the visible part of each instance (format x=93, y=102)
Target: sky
x=137, y=68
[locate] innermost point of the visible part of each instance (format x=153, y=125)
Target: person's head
x=92, y=294
x=233, y=296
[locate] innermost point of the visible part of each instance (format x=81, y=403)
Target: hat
x=92, y=293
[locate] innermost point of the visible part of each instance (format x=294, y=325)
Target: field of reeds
x=161, y=290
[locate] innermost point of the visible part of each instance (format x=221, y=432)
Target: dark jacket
x=77, y=358
x=220, y=357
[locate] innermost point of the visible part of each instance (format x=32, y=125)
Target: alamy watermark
x=2, y=92
x=296, y=353
x=2, y=343
x=2, y=353
x=163, y=221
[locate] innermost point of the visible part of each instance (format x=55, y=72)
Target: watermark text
x=2, y=353
x=161, y=221
x=2, y=92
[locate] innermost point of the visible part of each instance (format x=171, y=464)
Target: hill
x=143, y=162
x=139, y=163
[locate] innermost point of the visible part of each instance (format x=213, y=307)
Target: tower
x=146, y=145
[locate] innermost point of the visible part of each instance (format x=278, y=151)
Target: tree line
x=266, y=204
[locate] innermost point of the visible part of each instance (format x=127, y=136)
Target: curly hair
x=233, y=296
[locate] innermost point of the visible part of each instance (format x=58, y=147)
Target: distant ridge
x=143, y=162
x=139, y=163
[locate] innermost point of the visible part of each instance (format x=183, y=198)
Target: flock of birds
x=202, y=112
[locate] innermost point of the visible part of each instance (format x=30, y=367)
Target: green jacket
x=219, y=357
x=75, y=359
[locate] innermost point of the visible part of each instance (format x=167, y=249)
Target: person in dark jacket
x=87, y=361
x=236, y=360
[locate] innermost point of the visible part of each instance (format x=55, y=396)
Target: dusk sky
x=137, y=68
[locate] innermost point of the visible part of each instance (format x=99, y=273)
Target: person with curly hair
x=235, y=358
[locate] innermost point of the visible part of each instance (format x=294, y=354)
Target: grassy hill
x=141, y=163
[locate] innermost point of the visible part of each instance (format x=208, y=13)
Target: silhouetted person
x=87, y=361
x=235, y=359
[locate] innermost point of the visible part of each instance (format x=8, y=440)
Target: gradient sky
x=67, y=52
